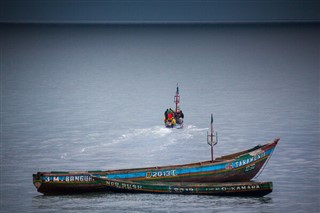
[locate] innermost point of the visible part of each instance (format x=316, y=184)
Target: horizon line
x=280, y=21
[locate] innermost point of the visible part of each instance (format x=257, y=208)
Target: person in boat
x=166, y=114
x=169, y=111
x=179, y=116
x=169, y=119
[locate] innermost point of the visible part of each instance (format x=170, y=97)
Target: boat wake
x=155, y=142
x=159, y=132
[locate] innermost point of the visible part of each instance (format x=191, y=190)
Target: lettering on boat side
x=233, y=188
x=178, y=189
x=161, y=174
x=248, y=160
x=222, y=188
x=250, y=167
x=74, y=178
x=131, y=186
x=123, y=185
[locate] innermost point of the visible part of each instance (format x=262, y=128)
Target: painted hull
x=175, y=126
x=241, y=166
x=220, y=189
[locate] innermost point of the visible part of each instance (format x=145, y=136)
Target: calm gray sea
x=89, y=97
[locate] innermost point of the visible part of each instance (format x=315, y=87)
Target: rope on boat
x=264, y=166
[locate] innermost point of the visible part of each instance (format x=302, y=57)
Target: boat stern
x=37, y=182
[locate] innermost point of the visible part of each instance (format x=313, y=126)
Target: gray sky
x=108, y=11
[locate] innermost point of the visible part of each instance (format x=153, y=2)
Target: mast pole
x=177, y=98
x=211, y=138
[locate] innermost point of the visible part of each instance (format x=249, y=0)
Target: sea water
x=92, y=97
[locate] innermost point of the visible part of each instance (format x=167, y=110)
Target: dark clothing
x=179, y=115
x=166, y=114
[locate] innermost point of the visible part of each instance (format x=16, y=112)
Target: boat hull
x=175, y=126
x=220, y=189
x=241, y=166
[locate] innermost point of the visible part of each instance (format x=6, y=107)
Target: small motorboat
x=174, y=118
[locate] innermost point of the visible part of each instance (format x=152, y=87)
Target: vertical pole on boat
x=177, y=98
x=212, y=139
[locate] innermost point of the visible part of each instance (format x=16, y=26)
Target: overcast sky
x=109, y=11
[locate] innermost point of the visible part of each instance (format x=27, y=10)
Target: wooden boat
x=177, y=120
x=221, y=189
x=240, y=166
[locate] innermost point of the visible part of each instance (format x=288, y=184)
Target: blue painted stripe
x=128, y=175
x=201, y=169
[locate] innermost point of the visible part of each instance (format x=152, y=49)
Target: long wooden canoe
x=221, y=189
x=240, y=166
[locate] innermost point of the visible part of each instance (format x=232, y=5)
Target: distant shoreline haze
x=158, y=11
